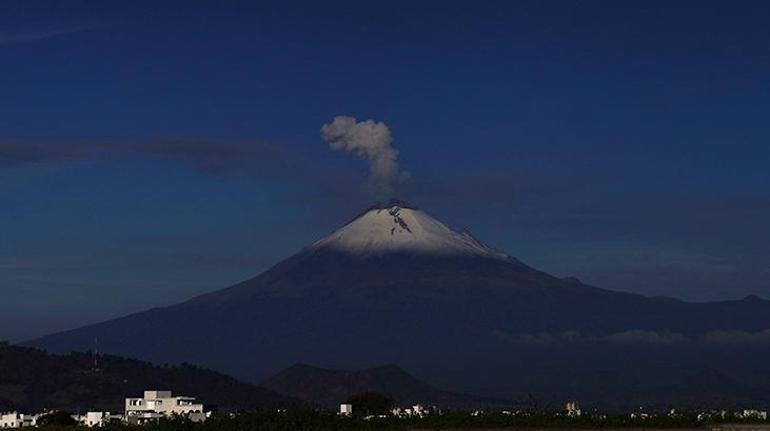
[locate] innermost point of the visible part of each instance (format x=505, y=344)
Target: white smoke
x=370, y=140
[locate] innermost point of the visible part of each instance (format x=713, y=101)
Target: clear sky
x=151, y=151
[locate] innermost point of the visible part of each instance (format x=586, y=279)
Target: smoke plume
x=209, y=156
x=369, y=140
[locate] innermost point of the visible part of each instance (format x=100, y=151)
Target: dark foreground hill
x=396, y=285
x=329, y=387
x=32, y=380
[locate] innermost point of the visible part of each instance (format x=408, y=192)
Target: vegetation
x=370, y=403
x=58, y=418
x=33, y=380
x=299, y=420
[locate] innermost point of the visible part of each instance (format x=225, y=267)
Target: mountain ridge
x=330, y=387
x=32, y=380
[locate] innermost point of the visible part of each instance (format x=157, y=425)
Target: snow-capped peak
x=400, y=227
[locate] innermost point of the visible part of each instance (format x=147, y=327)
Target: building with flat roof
x=17, y=420
x=346, y=409
x=158, y=404
x=97, y=419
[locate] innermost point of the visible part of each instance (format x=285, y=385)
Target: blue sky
x=151, y=151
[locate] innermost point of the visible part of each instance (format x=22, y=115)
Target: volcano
x=397, y=286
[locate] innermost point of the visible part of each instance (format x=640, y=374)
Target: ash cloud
x=29, y=35
x=206, y=155
x=369, y=140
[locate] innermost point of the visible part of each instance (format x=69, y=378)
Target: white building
x=754, y=414
x=346, y=409
x=158, y=404
x=415, y=410
x=97, y=419
x=17, y=420
x=573, y=409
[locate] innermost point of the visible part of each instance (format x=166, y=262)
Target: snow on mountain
x=400, y=227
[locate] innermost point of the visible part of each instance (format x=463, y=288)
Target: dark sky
x=151, y=151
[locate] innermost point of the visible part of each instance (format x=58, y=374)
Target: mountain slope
x=331, y=387
x=398, y=286
x=694, y=390
x=400, y=227
x=32, y=380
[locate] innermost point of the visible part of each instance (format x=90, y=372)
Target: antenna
x=533, y=405
x=96, y=354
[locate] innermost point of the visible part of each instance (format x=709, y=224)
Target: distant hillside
x=695, y=391
x=31, y=380
x=331, y=387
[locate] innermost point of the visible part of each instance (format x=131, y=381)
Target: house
x=158, y=404
x=415, y=410
x=97, y=419
x=573, y=409
x=17, y=420
x=754, y=414
x=346, y=409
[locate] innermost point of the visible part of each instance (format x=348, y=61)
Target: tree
x=370, y=403
x=59, y=418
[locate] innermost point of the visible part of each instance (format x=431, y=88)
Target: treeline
x=299, y=420
x=291, y=420
x=451, y=420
